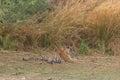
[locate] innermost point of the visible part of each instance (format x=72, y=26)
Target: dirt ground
x=97, y=67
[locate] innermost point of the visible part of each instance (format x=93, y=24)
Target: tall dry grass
x=97, y=22
x=105, y=20
x=66, y=23
x=20, y=36
x=27, y=36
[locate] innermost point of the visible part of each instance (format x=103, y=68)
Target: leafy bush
x=12, y=11
x=7, y=43
x=84, y=48
x=6, y=40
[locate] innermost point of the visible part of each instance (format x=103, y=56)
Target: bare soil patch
x=92, y=67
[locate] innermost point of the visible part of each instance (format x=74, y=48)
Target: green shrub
x=12, y=11
x=103, y=37
x=7, y=43
x=45, y=40
x=102, y=47
x=84, y=47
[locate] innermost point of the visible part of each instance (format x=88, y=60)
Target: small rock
x=50, y=79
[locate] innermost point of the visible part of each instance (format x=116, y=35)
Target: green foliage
x=84, y=47
x=102, y=46
x=12, y=11
x=101, y=37
x=45, y=40
x=7, y=43
x=104, y=35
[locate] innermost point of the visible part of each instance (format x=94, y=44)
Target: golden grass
x=66, y=22
x=89, y=20
x=71, y=23
x=105, y=20
x=24, y=36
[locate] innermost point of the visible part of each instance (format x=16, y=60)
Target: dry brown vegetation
x=95, y=22
x=98, y=67
x=90, y=27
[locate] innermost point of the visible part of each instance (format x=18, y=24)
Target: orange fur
x=66, y=57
